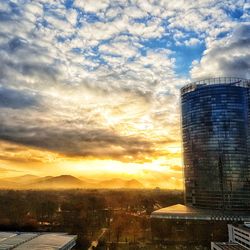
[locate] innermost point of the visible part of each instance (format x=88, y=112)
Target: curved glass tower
x=216, y=143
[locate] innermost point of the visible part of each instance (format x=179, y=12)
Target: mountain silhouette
x=65, y=182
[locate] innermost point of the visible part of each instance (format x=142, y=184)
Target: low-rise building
x=185, y=224
x=36, y=241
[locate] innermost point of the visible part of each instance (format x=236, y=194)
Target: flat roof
x=5, y=235
x=14, y=240
x=180, y=211
x=229, y=246
x=35, y=241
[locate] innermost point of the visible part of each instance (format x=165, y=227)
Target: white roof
x=15, y=239
x=5, y=235
x=35, y=241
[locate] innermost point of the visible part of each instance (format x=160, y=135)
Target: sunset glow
x=92, y=89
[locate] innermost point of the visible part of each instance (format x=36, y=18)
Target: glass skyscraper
x=216, y=149
x=216, y=143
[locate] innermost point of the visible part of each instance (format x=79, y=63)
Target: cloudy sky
x=91, y=87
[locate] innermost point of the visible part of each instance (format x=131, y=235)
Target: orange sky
x=160, y=167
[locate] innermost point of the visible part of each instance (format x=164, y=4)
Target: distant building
x=216, y=147
x=239, y=238
x=36, y=241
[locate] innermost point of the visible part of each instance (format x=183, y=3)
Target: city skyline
x=92, y=89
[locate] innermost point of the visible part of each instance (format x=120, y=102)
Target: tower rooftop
x=236, y=81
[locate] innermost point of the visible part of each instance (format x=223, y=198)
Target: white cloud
x=113, y=12
x=90, y=6
x=103, y=30
x=60, y=26
x=192, y=41
x=122, y=49
x=71, y=16
x=134, y=12
x=151, y=29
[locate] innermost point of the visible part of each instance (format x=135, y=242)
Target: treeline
x=125, y=213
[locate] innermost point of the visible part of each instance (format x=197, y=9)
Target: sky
x=91, y=87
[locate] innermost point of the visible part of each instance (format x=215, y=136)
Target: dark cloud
x=236, y=65
x=4, y=16
x=242, y=31
x=231, y=58
x=16, y=99
x=14, y=11
x=16, y=43
x=98, y=143
x=40, y=70
x=20, y=58
x=73, y=142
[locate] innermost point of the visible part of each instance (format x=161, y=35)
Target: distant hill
x=62, y=181
x=43, y=178
x=65, y=182
x=134, y=184
x=23, y=179
x=5, y=184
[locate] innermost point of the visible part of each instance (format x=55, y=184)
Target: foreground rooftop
x=36, y=241
x=227, y=246
x=180, y=212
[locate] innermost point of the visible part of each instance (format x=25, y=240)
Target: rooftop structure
x=235, y=81
x=36, y=241
x=239, y=238
x=182, y=212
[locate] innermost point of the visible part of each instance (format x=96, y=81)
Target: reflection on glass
x=216, y=135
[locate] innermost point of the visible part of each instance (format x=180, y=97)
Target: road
x=94, y=243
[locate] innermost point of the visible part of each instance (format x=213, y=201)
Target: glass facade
x=216, y=143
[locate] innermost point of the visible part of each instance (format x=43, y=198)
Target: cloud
x=229, y=56
x=11, y=98
x=192, y=42
x=119, y=48
x=7, y=170
x=88, y=5
x=74, y=143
